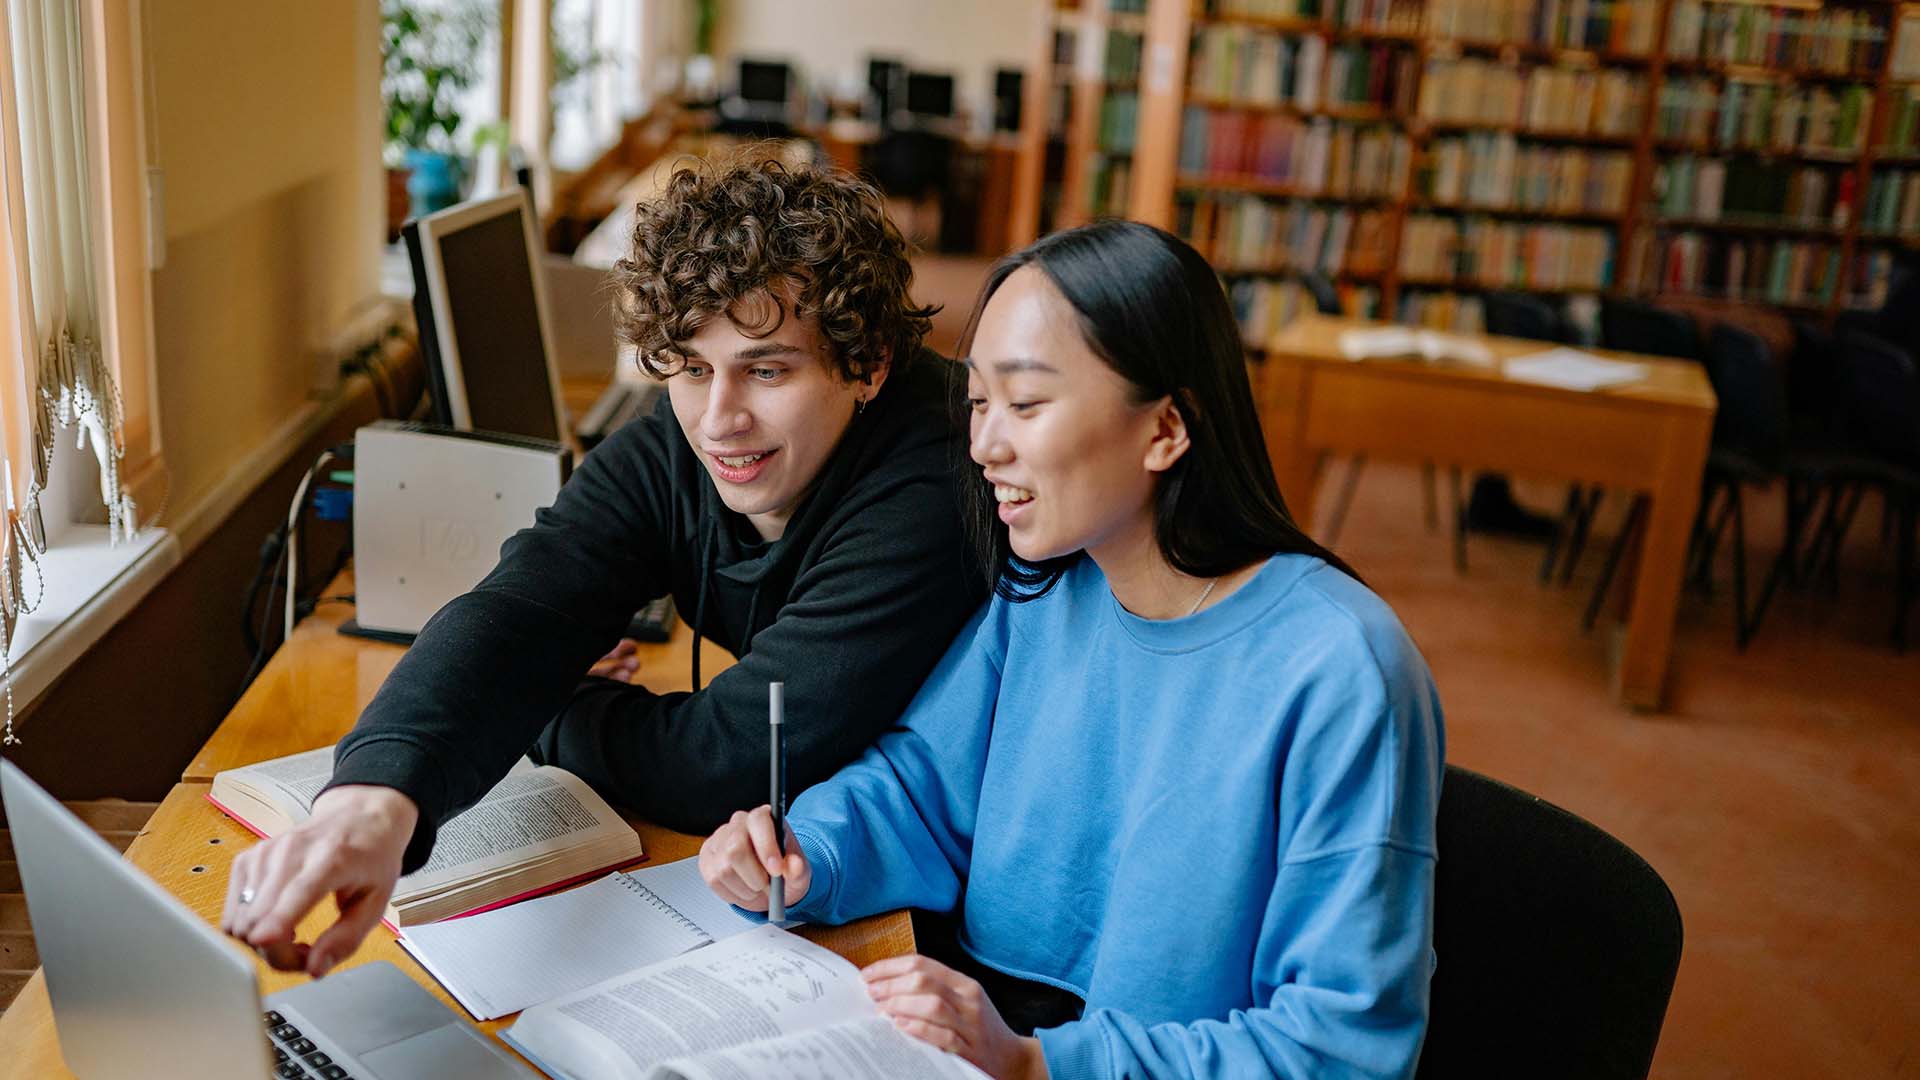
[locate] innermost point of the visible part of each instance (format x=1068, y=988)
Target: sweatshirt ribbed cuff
x=404, y=767
x=1075, y=1051
x=825, y=876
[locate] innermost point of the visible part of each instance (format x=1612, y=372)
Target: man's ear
x=1170, y=440
x=876, y=375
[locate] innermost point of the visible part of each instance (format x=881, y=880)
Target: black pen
x=777, y=798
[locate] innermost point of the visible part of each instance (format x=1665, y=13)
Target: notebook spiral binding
x=666, y=909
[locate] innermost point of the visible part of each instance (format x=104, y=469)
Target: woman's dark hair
x=1153, y=309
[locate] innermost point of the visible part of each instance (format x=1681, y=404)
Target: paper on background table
x=1572, y=369
x=1391, y=342
x=502, y=961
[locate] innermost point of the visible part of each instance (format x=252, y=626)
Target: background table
x=1649, y=437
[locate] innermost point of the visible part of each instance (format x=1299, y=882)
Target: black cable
x=266, y=619
x=274, y=549
x=270, y=550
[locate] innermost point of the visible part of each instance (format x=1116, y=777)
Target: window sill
x=91, y=585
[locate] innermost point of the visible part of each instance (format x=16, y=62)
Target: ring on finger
x=247, y=894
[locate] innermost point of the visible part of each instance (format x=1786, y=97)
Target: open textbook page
x=765, y=1003
x=539, y=828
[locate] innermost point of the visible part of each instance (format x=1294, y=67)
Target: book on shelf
x=1871, y=279
x=1494, y=170
x=1752, y=191
x=1124, y=50
x=1460, y=313
x=765, y=1003
x=1111, y=185
x=1764, y=116
x=1276, y=10
x=1892, y=206
x=1621, y=27
x=1540, y=98
x=1901, y=137
x=1834, y=41
x=540, y=828
x=1119, y=121
x=1308, y=156
x=1389, y=16
x=1905, y=63
x=1776, y=271
x=1246, y=234
x=1236, y=64
x=1264, y=305
x=1500, y=254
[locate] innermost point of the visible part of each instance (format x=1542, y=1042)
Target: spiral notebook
x=511, y=958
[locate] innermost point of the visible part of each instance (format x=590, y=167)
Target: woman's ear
x=1170, y=439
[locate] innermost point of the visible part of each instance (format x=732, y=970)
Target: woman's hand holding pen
x=739, y=860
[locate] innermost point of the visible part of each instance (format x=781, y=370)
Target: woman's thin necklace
x=1204, y=593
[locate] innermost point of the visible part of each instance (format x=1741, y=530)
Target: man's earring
x=859, y=406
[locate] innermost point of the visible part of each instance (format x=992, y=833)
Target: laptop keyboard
x=295, y=1056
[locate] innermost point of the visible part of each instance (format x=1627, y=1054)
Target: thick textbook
x=765, y=1004
x=539, y=829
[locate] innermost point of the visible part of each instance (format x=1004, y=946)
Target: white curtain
x=53, y=374
x=73, y=386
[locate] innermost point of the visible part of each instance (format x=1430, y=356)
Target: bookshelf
x=1423, y=152
x=1080, y=116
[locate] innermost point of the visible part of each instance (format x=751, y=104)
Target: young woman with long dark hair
x=1182, y=767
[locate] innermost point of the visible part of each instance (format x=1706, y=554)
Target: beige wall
x=968, y=38
x=267, y=117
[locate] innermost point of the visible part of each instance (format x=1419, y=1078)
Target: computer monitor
x=483, y=320
x=1007, y=87
x=929, y=95
x=886, y=78
x=765, y=82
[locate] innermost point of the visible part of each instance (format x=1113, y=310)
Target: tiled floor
x=1778, y=794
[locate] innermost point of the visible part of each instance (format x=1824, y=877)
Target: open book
x=765, y=1003
x=1407, y=343
x=540, y=828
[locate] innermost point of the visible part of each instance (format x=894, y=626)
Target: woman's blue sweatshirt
x=1217, y=830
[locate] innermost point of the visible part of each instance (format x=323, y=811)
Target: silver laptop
x=142, y=987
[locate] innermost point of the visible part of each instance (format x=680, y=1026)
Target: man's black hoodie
x=851, y=608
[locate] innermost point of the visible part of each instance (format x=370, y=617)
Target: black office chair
x=1557, y=946
x=1632, y=326
x=1512, y=314
x=1882, y=393
x=1325, y=299
x=1750, y=449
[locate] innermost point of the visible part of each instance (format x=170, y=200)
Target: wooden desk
x=315, y=686
x=308, y=696
x=1650, y=437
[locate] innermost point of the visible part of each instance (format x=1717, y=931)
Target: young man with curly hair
x=795, y=494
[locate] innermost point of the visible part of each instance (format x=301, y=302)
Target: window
x=75, y=318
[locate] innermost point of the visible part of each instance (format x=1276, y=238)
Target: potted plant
x=429, y=57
